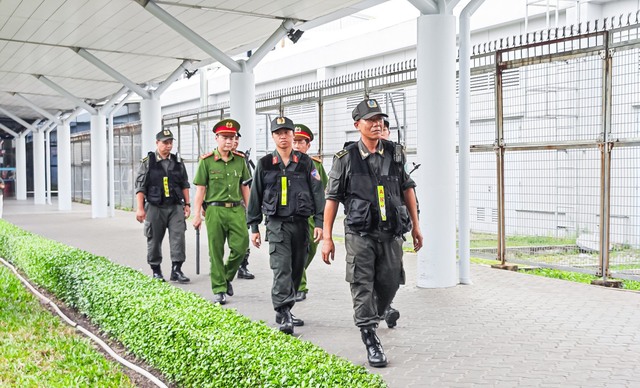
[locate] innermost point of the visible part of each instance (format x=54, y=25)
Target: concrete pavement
x=507, y=329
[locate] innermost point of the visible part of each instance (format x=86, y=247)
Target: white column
x=151, y=117
x=47, y=163
x=64, y=167
x=39, y=197
x=99, y=193
x=243, y=107
x=21, y=168
x=436, y=83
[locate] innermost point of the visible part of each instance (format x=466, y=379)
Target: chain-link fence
x=554, y=135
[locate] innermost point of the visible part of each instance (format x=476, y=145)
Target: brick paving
x=506, y=330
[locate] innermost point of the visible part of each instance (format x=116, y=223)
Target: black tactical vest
x=287, y=193
x=362, y=200
x=156, y=193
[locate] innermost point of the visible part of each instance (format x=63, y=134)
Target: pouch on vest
x=270, y=203
x=403, y=220
x=359, y=216
x=304, y=205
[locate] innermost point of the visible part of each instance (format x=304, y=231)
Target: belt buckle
x=228, y=204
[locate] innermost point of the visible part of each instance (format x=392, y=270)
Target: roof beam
x=173, y=77
x=112, y=100
x=36, y=107
x=77, y=101
x=188, y=33
x=426, y=7
x=29, y=127
x=112, y=72
x=269, y=44
x=7, y=130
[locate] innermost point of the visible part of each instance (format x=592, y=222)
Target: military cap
x=226, y=127
x=165, y=134
x=302, y=131
x=282, y=122
x=367, y=109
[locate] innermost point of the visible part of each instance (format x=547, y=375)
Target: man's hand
x=255, y=239
x=141, y=214
x=197, y=221
x=317, y=234
x=328, y=250
x=187, y=212
x=417, y=238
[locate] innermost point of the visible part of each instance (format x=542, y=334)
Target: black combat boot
x=177, y=275
x=391, y=316
x=243, y=271
x=375, y=353
x=286, y=321
x=295, y=320
x=157, y=272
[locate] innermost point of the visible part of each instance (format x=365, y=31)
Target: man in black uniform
x=287, y=189
x=368, y=177
x=243, y=271
x=162, y=195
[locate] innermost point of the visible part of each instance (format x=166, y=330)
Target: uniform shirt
x=254, y=210
x=341, y=170
x=168, y=163
x=321, y=172
x=221, y=178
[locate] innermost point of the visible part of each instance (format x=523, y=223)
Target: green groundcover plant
x=38, y=349
x=193, y=342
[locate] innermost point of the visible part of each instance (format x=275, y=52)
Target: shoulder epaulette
x=240, y=154
x=341, y=153
x=316, y=159
x=144, y=159
x=204, y=156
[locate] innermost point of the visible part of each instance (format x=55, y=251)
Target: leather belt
x=224, y=204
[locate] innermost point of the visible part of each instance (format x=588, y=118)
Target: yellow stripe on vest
x=165, y=183
x=383, y=210
x=283, y=199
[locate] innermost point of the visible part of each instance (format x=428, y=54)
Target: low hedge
x=193, y=342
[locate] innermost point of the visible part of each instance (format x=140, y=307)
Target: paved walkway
x=507, y=329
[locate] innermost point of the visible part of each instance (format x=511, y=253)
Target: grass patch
x=38, y=349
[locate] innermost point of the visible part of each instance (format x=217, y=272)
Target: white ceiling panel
x=37, y=37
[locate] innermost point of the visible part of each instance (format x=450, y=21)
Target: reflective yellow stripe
x=283, y=198
x=383, y=210
x=165, y=182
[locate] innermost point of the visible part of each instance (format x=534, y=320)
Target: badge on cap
x=229, y=124
x=280, y=120
x=166, y=132
x=372, y=104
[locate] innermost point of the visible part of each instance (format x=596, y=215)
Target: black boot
x=157, y=272
x=286, y=320
x=295, y=320
x=391, y=316
x=375, y=353
x=177, y=275
x=243, y=271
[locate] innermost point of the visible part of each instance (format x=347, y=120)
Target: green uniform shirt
x=323, y=174
x=221, y=178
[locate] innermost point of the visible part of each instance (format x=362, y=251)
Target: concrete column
x=151, y=117
x=39, y=183
x=21, y=168
x=243, y=107
x=436, y=84
x=64, y=167
x=99, y=189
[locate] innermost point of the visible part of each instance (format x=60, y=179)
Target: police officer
x=368, y=177
x=162, y=195
x=302, y=138
x=243, y=271
x=287, y=189
x=219, y=185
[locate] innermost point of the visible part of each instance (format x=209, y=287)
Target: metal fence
x=555, y=141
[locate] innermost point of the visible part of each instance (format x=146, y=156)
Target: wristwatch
x=187, y=204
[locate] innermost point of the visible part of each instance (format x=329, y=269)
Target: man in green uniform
x=219, y=187
x=302, y=138
x=162, y=196
x=368, y=177
x=243, y=271
x=287, y=189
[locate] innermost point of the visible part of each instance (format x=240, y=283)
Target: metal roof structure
x=45, y=44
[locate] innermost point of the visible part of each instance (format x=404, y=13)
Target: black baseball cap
x=163, y=135
x=367, y=109
x=282, y=122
